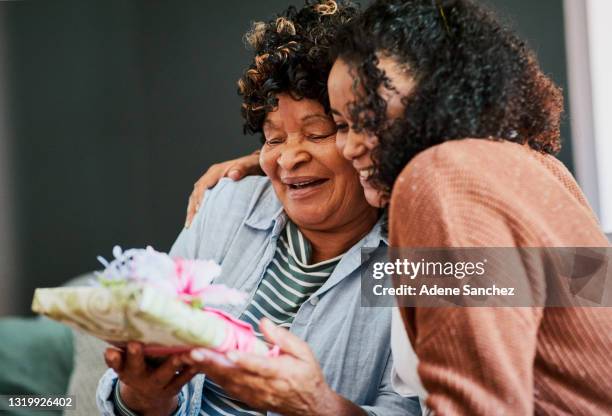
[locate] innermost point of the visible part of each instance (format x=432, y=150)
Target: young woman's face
x=357, y=146
x=316, y=185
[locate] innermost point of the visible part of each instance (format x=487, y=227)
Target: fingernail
x=269, y=325
x=197, y=207
x=198, y=355
x=186, y=224
x=233, y=356
x=234, y=174
x=133, y=348
x=114, y=361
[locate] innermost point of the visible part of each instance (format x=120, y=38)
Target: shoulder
x=468, y=155
x=448, y=191
x=225, y=210
x=480, y=191
x=466, y=166
x=482, y=155
x=251, y=195
x=428, y=174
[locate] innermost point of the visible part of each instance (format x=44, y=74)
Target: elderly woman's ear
x=234, y=169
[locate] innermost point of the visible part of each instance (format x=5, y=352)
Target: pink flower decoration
x=193, y=281
x=188, y=280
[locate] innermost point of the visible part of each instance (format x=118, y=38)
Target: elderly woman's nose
x=293, y=155
x=354, y=146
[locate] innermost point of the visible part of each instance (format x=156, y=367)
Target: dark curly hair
x=291, y=55
x=474, y=79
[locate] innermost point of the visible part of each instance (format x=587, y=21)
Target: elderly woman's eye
x=320, y=136
x=272, y=142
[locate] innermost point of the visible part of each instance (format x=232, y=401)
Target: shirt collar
x=265, y=210
x=351, y=261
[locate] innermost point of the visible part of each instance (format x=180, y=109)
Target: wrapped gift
x=149, y=297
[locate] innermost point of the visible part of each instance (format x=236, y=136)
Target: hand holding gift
x=291, y=383
x=146, y=389
x=153, y=305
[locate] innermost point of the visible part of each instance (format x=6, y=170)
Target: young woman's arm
x=235, y=169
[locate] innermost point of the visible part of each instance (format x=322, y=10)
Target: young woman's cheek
x=340, y=142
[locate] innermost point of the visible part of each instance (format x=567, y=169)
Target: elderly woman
x=449, y=120
x=292, y=241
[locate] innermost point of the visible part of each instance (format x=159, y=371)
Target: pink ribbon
x=240, y=336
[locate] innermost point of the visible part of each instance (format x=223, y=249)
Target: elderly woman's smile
x=316, y=185
x=303, y=186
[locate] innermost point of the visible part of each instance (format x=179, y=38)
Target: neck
x=332, y=242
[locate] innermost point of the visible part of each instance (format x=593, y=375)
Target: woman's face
x=357, y=146
x=317, y=187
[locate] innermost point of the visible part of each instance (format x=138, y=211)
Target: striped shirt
x=287, y=283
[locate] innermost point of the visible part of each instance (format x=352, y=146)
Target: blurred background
x=111, y=109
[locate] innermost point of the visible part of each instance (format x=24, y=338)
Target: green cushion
x=36, y=357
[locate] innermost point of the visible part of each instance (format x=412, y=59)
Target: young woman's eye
x=342, y=127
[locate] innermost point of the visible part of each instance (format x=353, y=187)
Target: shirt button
x=314, y=300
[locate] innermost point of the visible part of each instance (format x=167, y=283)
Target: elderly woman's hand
x=235, y=169
x=291, y=384
x=147, y=390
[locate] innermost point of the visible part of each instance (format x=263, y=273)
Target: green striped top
x=288, y=282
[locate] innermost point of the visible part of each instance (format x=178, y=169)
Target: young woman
x=448, y=118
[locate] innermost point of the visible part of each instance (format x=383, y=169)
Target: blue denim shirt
x=238, y=226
